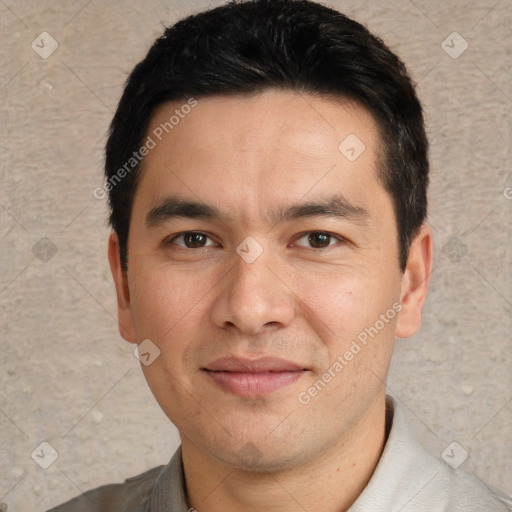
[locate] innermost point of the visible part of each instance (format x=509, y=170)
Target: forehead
x=303, y=119
x=260, y=148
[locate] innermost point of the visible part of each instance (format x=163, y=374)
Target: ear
x=125, y=317
x=415, y=282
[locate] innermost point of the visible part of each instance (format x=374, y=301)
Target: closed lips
x=261, y=365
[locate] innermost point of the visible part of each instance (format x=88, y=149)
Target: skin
x=248, y=157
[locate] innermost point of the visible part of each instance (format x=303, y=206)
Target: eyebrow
x=336, y=206
x=172, y=207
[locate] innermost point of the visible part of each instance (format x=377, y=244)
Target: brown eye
x=192, y=240
x=318, y=240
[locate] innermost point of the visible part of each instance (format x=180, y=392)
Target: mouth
x=253, y=378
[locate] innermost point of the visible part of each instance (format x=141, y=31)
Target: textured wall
x=68, y=379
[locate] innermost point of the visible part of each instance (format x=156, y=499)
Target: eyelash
x=171, y=239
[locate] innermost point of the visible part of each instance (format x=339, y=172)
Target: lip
x=262, y=364
x=252, y=378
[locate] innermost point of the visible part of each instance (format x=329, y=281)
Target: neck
x=330, y=482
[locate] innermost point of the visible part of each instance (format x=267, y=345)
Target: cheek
x=342, y=305
x=165, y=301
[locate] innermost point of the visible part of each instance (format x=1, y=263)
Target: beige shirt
x=407, y=479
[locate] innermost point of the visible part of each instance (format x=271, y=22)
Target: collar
x=405, y=474
x=169, y=492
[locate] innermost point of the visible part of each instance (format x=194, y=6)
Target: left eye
x=318, y=239
x=192, y=240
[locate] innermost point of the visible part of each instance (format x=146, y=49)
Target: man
x=267, y=173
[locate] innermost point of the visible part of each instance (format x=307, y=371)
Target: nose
x=252, y=298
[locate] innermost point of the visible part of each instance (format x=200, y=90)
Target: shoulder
x=130, y=496
x=412, y=478
x=470, y=494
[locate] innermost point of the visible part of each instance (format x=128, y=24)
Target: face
x=254, y=234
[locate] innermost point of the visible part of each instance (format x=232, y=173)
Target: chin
x=258, y=457
x=254, y=461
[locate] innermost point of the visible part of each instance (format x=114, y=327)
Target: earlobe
x=415, y=283
x=125, y=316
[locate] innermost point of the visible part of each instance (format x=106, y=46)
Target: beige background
x=66, y=376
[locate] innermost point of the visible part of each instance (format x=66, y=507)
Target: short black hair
x=298, y=45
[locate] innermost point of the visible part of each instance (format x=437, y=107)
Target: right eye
x=190, y=240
